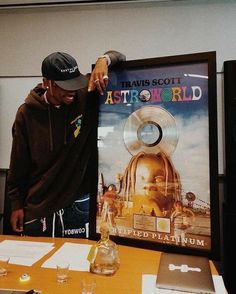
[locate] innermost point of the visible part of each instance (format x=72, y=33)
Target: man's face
x=58, y=96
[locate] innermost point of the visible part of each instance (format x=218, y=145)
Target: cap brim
x=73, y=84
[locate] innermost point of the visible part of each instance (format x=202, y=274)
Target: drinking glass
x=88, y=285
x=62, y=271
x=4, y=260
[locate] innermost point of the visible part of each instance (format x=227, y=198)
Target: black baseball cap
x=63, y=69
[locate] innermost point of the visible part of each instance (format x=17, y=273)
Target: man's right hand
x=17, y=220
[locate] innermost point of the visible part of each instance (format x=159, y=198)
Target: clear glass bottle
x=104, y=258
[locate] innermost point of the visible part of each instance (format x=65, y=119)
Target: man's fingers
x=105, y=77
x=105, y=81
x=99, y=86
x=17, y=220
x=98, y=82
x=91, y=86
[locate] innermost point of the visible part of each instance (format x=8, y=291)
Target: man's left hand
x=99, y=76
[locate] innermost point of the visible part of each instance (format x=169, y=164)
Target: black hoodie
x=54, y=153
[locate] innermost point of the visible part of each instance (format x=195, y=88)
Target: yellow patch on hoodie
x=77, y=121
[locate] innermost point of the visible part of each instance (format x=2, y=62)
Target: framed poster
x=157, y=155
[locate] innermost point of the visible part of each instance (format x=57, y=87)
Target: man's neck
x=49, y=100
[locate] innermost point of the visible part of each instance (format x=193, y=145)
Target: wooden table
x=128, y=280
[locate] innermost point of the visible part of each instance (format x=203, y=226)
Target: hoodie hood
x=36, y=99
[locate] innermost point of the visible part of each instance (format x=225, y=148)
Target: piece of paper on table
x=149, y=286
x=74, y=254
x=24, y=252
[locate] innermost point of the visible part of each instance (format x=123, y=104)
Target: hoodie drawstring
x=60, y=214
x=65, y=128
x=50, y=128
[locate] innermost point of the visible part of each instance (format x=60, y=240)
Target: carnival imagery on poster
x=153, y=146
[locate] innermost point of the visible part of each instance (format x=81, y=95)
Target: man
x=53, y=159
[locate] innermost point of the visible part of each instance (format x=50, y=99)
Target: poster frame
x=172, y=61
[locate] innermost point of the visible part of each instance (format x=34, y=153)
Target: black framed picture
x=157, y=155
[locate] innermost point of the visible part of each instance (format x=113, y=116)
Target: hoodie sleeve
x=115, y=56
x=17, y=177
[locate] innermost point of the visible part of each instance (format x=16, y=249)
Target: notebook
x=185, y=273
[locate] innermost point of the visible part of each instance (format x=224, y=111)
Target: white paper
x=74, y=254
x=149, y=286
x=24, y=252
x=26, y=243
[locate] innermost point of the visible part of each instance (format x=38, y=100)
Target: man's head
x=63, y=69
x=61, y=78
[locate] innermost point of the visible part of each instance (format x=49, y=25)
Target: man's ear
x=46, y=83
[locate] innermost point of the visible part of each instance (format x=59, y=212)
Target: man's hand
x=17, y=220
x=99, y=77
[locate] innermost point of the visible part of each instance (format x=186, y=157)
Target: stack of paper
x=74, y=254
x=24, y=252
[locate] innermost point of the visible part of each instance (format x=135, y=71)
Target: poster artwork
x=154, y=155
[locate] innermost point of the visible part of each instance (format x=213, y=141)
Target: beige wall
x=139, y=30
